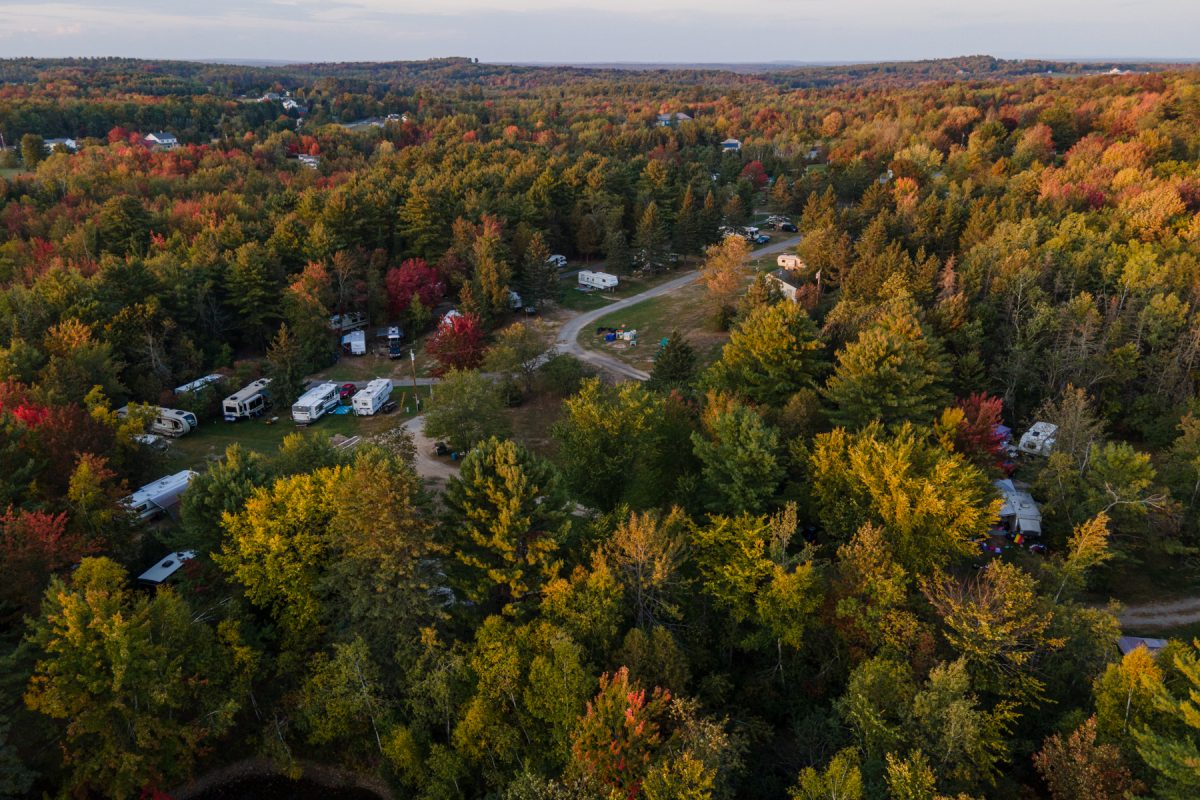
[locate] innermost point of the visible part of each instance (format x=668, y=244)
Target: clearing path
x=568, y=335
x=1157, y=616
x=428, y=465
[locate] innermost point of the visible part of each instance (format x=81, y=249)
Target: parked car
x=762, y=238
x=788, y=227
x=346, y=392
x=441, y=449
x=388, y=407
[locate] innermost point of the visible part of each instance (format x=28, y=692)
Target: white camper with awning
x=371, y=398
x=1020, y=512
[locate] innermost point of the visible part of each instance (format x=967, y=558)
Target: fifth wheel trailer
x=315, y=403
x=158, y=497
x=168, y=421
x=371, y=398
x=247, y=402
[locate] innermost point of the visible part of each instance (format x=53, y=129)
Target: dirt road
x=568, y=335
x=430, y=467
x=1160, y=616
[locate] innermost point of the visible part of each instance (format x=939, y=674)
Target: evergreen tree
x=772, y=354
x=251, y=294
x=674, y=366
x=651, y=240
x=891, y=373
x=508, y=519
x=285, y=367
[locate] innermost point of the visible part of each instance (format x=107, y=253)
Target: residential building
x=161, y=140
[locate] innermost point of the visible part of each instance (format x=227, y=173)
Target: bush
x=564, y=373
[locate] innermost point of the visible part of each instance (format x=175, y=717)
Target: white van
x=250, y=401
x=315, y=403
x=371, y=398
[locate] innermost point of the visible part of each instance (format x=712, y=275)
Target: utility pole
x=412, y=359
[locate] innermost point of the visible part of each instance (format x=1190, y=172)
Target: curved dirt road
x=568, y=335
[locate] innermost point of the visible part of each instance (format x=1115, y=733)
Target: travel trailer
x=247, y=402
x=167, y=566
x=167, y=421
x=371, y=398
x=355, y=342
x=350, y=321
x=160, y=496
x=789, y=261
x=597, y=280
x=315, y=403
x=1039, y=440
x=198, y=384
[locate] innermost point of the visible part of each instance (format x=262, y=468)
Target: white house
x=788, y=282
x=161, y=140
x=312, y=162
x=731, y=145
x=667, y=120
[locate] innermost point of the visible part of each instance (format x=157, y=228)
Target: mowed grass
x=209, y=442
x=686, y=310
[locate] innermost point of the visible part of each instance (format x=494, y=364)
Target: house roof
x=1127, y=644
x=789, y=276
x=162, y=136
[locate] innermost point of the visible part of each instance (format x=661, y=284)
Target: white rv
x=167, y=421
x=247, y=402
x=1020, y=512
x=371, y=398
x=355, y=342
x=557, y=260
x=315, y=403
x=789, y=261
x=514, y=300
x=156, y=498
x=166, y=567
x=350, y=321
x=198, y=384
x=1039, y=440
x=597, y=280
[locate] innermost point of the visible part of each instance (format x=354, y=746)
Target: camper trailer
x=167, y=566
x=370, y=399
x=158, y=497
x=355, y=342
x=394, y=335
x=198, y=384
x=597, y=280
x=315, y=403
x=789, y=261
x=1039, y=440
x=350, y=321
x=167, y=421
x=247, y=402
x=1020, y=513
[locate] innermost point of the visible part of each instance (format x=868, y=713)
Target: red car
x=347, y=392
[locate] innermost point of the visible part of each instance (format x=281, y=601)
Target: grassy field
x=12, y=172
x=686, y=310
x=209, y=441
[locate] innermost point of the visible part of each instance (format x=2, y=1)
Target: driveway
x=428, y=466
x=568, y=335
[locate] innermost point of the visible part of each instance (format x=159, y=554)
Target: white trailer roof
x=171, y=484
x=248, y=391
x=316, y=394
x=199, y=383
x=167, y=567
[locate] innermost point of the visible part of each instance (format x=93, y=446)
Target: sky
x=591, y=31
